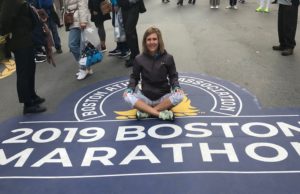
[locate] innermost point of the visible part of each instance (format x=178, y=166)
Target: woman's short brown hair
x=161, y=45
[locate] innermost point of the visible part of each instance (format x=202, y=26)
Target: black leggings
x=101, y=31
x=232, y=2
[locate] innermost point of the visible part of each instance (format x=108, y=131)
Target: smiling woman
x=160, y=89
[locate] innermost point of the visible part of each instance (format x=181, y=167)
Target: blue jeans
x=53, y=27
x=75, y=42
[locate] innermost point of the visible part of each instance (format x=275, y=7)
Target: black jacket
x=94, y=5
x=158, y=75
x=125, y=4
x=16, y=17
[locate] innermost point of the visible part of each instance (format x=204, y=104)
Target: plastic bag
x=119, y=30
x=90, y=55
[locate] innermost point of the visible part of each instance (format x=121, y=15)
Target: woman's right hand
x=127, y=91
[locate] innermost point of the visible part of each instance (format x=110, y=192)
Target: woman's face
x=152, y=43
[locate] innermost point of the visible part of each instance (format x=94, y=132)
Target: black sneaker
x=40, y=54
x=278, y=48
x=124, y=54
x=38, y=100
x=40, y=59
x=180, y=2
x=33, y=109
x=59, y=51
x=287, y=52
x=114, y=52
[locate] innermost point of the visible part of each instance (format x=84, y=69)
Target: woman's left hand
x=83, y=25
x=180, y=91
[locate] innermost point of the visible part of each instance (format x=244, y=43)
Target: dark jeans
x=53, y=27
x=25, y=68
x=287, y=25
x=122, y=46
x=130, y=20
x=232, y=2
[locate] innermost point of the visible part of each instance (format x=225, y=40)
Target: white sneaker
x=82, y=74
x=229, y=7
x=217, y=7
x=235, y=7
x=211, y=7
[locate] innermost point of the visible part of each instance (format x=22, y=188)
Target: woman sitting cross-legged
x=160, y=89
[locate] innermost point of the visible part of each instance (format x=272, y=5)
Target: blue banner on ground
x=221, y=141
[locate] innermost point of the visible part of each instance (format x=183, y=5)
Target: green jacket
x=16, y=18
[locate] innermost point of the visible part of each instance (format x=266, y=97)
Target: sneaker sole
x=113, y=54
x=123, y=57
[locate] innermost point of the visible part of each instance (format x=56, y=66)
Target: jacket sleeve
x=135, y=75
x=172, y=73
x=83, y=11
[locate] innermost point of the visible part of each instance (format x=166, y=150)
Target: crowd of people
x=160, y=89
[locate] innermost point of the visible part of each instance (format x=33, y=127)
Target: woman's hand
x=127, y=91
x=83, y=25
x=179, y=90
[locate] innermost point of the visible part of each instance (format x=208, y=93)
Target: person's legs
x=291, y=26
x=267, y=6
x=164, y=105
x=169, y=100
x=142, y=106
x=74, y=42
x=102, y=36
x=25, y=69
x=130, y=19
x=56, y=38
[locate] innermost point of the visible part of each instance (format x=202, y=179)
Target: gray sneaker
x=166, y=115
x=141, y=115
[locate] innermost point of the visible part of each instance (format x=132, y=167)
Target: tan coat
x=81, y=15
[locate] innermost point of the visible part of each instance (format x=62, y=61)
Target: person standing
x=130, y=12
x=16, y=18
x=287, y=26
x=52, y=22
x=232, y=5
x=261, y=5
x=122, y=50
x=81, y=18
x=214, y=4
x=98, y=18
